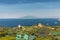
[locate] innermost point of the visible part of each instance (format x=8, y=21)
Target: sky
x=37, y=8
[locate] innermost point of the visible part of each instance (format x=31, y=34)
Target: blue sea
x=28, y=22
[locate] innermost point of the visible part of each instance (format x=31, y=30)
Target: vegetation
x=44, y=33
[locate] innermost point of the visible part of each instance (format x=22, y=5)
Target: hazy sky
x=38, y=8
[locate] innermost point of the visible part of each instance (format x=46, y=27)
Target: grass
x=7, y=38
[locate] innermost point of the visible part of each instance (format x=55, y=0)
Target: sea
x=29, y=22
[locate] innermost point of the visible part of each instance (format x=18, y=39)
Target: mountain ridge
x=29, y=17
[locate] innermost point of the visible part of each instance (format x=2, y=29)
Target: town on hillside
x=34, y=32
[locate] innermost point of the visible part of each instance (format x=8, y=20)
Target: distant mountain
x=29, y=17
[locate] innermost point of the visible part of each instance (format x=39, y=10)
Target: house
x=39, y=25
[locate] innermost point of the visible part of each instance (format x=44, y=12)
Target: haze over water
x=38, y=8
x=12, y=10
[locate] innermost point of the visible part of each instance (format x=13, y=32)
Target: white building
x=19, y=26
